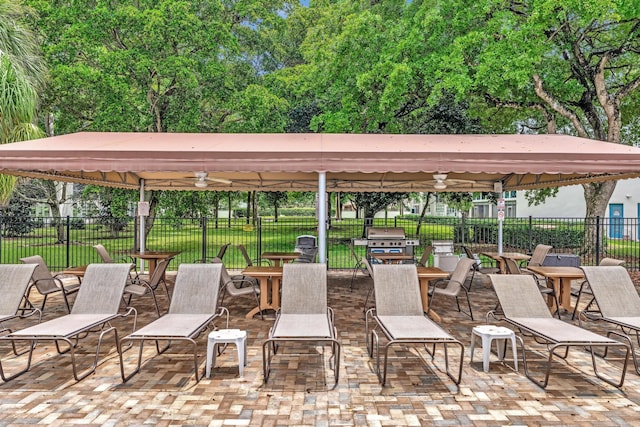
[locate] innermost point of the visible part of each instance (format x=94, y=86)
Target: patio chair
x=525, y=309
x=157, y=280
x=359, y=267
x=96, y=306
x=537, y=256
x=476, y=268
x=194, y=308
x=46, y=283
x=14, y=280
x=221, y=252
x=618, y=302
x=247, y=259
x=424, y=259
x=369, y=270
x=237, y=285
x=511, y=267
x=399, y=317
x=454, y=285
x=108, y=259
x=584, y=286
x=304, y=314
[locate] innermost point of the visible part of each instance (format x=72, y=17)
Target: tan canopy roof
x=271, y=162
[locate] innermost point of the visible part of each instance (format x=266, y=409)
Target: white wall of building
x=569, y=203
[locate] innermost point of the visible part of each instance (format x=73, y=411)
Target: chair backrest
x=424, y=259
x=14, y=279
x=102, y=288
x=519, y=296
x=367, y=265
x=196, y=289
x=467, y=252
x=304, y=288
x=104, y=255
x=222, y=251
x=539, y=254
x=226, y=280
x=245, y=255
x=459, y=274
x=613, y=290
x=511, y=266
x=42, y=277
x=610, y=262
x=158, y=273
x=397, y=290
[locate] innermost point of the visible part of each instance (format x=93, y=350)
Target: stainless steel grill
x=387, y=240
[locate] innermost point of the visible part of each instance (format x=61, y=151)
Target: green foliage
x=112, y=206
x=16, y=219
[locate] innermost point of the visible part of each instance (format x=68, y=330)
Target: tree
x=22, y=77
x=112, y=206
x=371, y=203
x=275, y=198
x=572, y=66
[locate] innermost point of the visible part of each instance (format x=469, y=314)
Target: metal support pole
x=500, y=230
x=141, y=227
x=322, y=217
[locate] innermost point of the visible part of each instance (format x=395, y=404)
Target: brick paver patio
x=299, y=391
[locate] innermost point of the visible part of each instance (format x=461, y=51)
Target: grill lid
x=385, y=233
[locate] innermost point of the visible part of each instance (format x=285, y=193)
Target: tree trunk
x=151, y=219
x=597, y=197
x=423, y=213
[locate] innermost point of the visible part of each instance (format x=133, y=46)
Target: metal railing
x=198, y=239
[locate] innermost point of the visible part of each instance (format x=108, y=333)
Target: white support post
x=322, y=217
x=141, y=221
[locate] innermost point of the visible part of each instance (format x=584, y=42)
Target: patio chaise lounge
x=524, y=307
x=96, y=305
x=14, y=279
x=304, y=314
x=617, y=300
x=193, y=308
x=399, y=316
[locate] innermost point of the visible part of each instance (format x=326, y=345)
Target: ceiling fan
x=442, y=182
x=202, y=180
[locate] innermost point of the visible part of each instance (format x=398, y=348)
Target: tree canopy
x=426, y=66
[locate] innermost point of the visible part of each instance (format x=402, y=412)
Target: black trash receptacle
x=307, y=246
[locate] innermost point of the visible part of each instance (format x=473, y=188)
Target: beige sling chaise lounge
x=193, y=308
x=304, y=314
x=618, y=302
x=96, y=305
x=399, y=316
x=525, y=308
x=14, y=279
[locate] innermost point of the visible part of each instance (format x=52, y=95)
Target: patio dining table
x=152, y=257
x=279, y=258
x=499, y=258
x=426, y=275
x=560, y=278
x=269, y=295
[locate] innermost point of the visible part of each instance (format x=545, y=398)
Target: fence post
x=259, y=235
x=530, y=234
x=598, y=242
x=462, y=232
x=203, y=224
x=68, y=239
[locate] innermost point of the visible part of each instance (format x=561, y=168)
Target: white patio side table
x=226, y=336
x=488, y=333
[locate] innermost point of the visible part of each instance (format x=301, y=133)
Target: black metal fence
x=69, y=242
